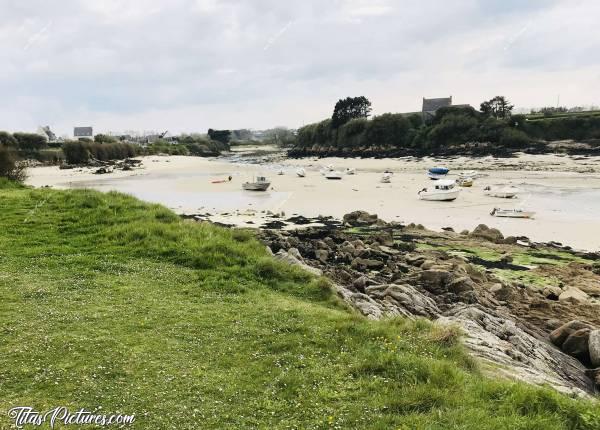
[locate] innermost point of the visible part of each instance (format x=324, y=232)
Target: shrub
x=388, y=130
x=8, y=140
x=30, y=142
x=512, y=138
x=79, y=152
x=76, y=152
x=9, y=166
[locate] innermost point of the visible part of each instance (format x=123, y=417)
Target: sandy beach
x=564, y=191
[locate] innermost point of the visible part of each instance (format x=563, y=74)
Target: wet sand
x=564, y=191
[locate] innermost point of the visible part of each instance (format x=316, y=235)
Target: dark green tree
x=498, y=107
x=30, y=142
x=223, y=136
x=388, y=130
x=8, y=140
x=350, y=108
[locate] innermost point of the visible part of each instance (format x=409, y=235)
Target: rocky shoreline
x=529, y=311
x=471, y=149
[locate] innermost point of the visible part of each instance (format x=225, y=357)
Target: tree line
x=15, y=147
x=454, y=129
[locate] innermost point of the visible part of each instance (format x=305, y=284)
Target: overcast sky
x=186, y=65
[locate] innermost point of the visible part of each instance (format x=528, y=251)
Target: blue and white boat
x=436, y=173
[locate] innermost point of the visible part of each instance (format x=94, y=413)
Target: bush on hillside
x=390, y=130
x=30, y=142
x=9, y=165
x=80, y=152
x=8, y=140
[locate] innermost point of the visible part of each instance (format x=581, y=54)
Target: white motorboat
x=259, y=184
x=301, y=172
x=350, y=171
x=512, y=213
x=333, y=174
x=501, y=191
x=386, y=178
x=473, y=174
x=444, y=190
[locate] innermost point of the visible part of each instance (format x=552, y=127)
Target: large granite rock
x=360, y=219
x=573, y=295
x=517, y=354
x=558, y=336
x=576, y=345
x=292, y=256
x=491, y=234
x=594, y=348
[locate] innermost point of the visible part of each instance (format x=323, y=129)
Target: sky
x=187, y=65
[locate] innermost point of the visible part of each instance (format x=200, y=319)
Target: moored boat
x=437, y=173
x=439, y=170
x=259, y=184
x=333, y=174
x=465, y=182
x=443, y=190
x=512, y=213
x=386, y=178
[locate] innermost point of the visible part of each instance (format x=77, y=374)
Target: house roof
x=431, y=105
x=83, y=132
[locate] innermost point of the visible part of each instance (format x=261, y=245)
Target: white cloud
x=193, y=64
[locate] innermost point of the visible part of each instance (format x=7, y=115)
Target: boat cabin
x=445, y=185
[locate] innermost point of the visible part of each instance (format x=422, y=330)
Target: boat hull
x=502, y=195
x=439, y=196
x=335, y=176
x=436, y=176
x=509, y=213
x=254, y=186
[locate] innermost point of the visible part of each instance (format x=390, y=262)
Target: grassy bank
x=110, y=302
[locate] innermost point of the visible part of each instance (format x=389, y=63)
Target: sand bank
x=564, y=191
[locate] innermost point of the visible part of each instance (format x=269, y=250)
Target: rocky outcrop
x=360, y=219
x=560, y=335
x=293, y=257
x=573, y=295
x=580, y=340
x=518, y=354
x=491, y=234
x=594, y=348
x=379, y=270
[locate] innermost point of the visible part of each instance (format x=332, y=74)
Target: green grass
x=527, y=278
x=109, y=302
x=541, y=117
x=547, y=257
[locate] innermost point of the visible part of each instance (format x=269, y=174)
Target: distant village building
x=80, y=132
x=430, y=106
